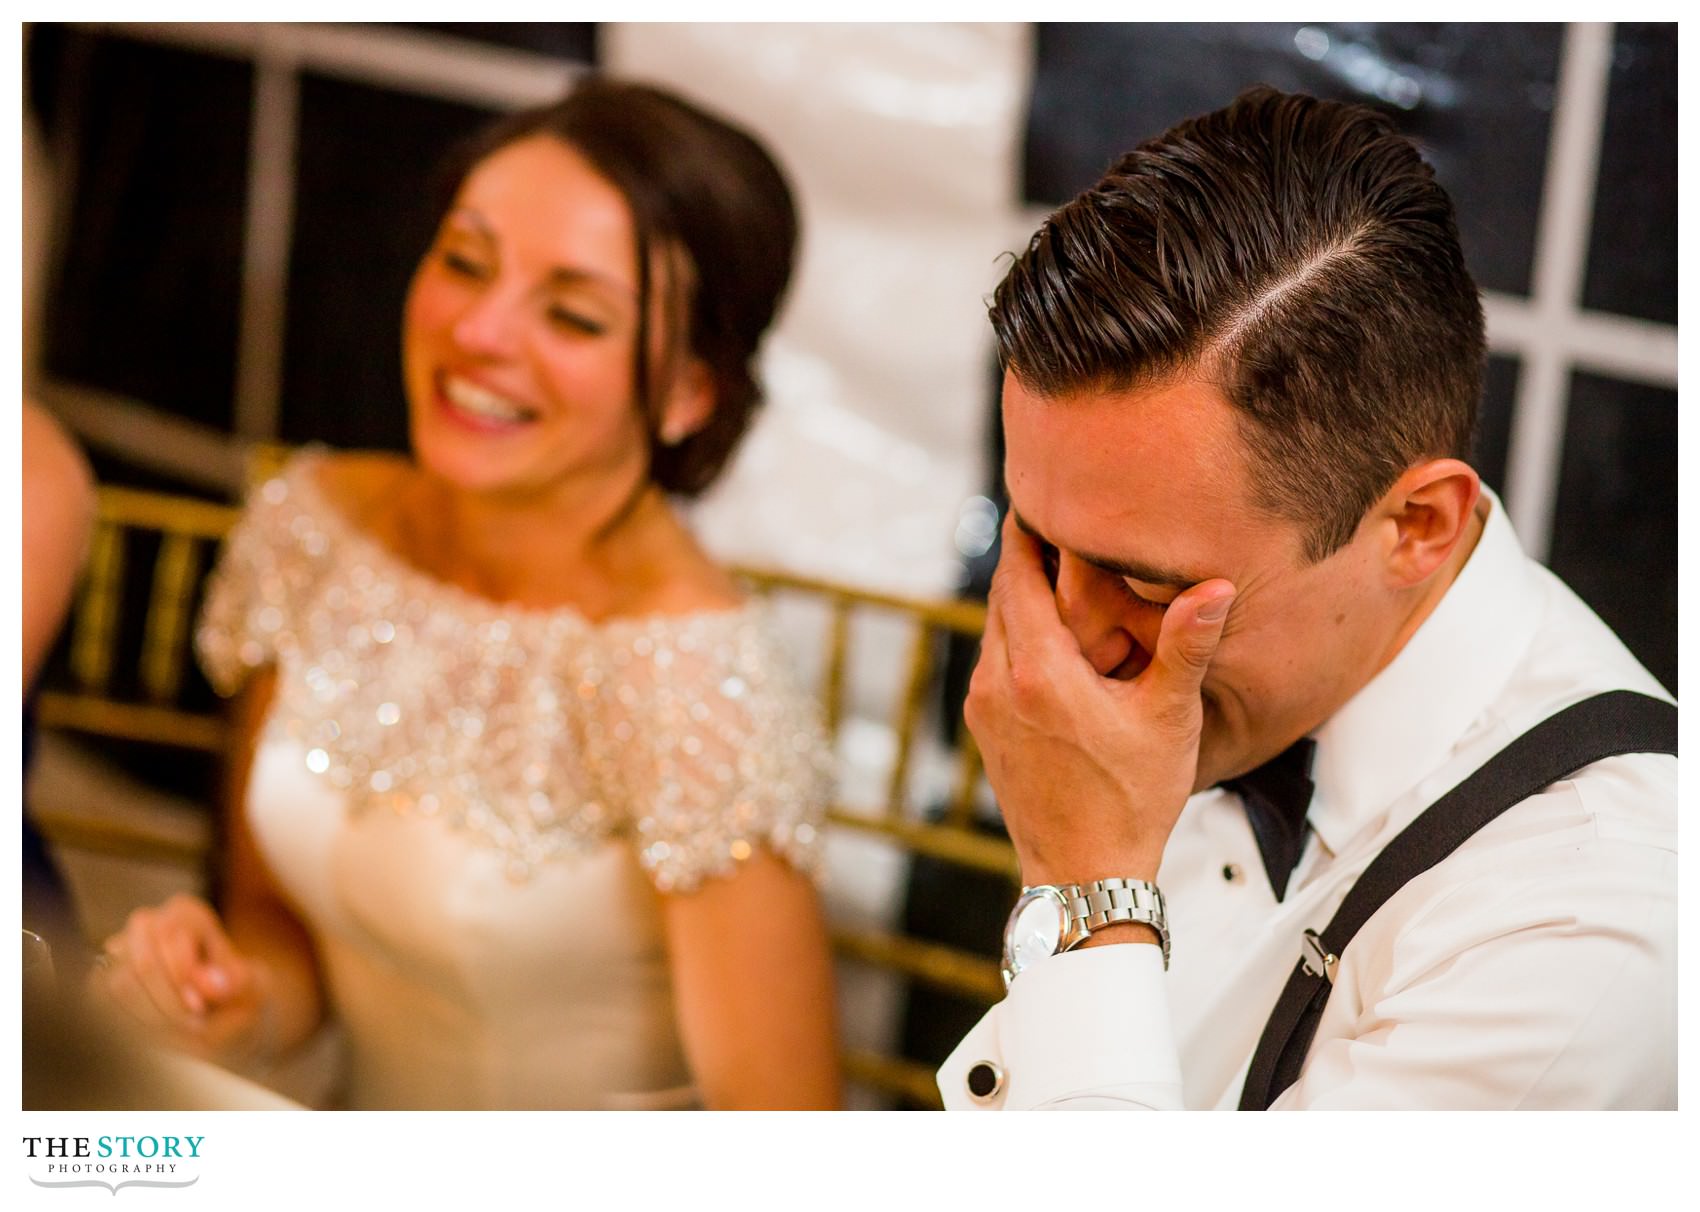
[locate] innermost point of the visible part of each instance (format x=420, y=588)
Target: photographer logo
x=113, y=1162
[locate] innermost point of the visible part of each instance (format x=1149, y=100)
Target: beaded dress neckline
x=536, y=732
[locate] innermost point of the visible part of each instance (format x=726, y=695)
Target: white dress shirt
x=1534, y=967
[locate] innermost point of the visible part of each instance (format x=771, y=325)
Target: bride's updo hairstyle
x=710, y=205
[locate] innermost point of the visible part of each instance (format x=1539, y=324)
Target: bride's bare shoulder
x=691, y=581
x=356, y=483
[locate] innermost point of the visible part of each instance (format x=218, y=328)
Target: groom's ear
x=1423, y=517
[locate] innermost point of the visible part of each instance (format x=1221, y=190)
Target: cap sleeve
x=712, y=749
x=257, y=586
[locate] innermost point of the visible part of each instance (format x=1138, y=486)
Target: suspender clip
x=1316, y=958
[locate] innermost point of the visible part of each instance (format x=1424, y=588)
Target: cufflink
x=985, y=1082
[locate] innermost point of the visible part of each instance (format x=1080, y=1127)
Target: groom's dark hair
x=1298, y=254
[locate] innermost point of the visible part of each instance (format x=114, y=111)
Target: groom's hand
x=1090, y=772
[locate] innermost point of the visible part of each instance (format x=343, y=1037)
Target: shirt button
x=985, y=1081
x=1232, y=873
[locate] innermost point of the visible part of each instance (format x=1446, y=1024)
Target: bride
x=525, y=798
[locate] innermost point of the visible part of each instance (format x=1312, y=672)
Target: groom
x=1254, y=614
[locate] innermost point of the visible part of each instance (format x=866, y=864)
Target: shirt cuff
x=1088, y=1028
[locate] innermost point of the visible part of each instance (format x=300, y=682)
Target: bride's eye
x=575, y=321
x=463, y=265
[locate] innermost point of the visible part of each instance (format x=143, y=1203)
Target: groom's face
x=1139, y=494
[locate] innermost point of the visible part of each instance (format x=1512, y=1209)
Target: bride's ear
x=689, y=405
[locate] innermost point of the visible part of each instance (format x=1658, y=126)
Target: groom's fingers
x=1186, y=644
x=1026, y=604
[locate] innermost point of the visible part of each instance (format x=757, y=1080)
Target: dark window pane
x=1632, y=253
x=1477, y=97
x=364, y=213
x=1493, y=423
x=145, y=300
x=1614, y=533
x=47, y=44
x=562, y=39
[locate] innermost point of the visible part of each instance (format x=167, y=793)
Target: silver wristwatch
x=1049, y=919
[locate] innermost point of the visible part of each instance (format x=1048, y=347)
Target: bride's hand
x=175, y=969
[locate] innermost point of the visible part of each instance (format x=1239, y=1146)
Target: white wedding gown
x=472, y=807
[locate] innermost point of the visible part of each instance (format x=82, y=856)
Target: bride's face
x=520, y=327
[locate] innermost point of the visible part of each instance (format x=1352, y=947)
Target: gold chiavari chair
x=148, y=555
x=150, y=707
x=948, y=836
x=186, y=530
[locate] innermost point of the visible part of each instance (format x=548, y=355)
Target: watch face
x=1035, y=928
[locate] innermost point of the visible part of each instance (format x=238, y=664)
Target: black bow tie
x=1277, y=797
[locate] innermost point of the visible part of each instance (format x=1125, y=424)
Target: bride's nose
x=489, y=327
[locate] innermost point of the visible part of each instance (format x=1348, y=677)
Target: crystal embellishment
x=539, y=732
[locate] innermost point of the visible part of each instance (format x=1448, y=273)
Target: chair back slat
x=95, y=620
x=969, y=769
x=165, y=640
x=838, y=651
x=909, y=710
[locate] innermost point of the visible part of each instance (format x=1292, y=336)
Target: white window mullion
x=1561, y=249
x=269, y=226
x=380, y=56
x=1642, y=351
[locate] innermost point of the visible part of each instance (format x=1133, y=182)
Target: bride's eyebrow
x=472, y=219
x=1134, y=570
x=567, y=276
x=561, y=276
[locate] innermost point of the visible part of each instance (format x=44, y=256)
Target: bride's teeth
x=474, y=399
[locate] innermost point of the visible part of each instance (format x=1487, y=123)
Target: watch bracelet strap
x=1099, y=903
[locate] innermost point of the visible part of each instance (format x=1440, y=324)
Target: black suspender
x=1607, y=725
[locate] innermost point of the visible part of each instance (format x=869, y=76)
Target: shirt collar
x=1405, y=721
